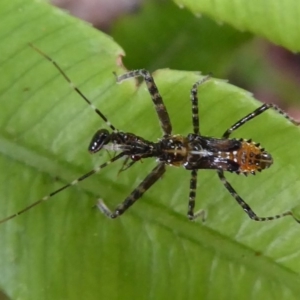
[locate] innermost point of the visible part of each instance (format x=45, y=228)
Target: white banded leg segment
x=192, y=195
x=157, y=100
x=201, y=213
x=194, y=99
x=256, y=113
x=135, y=195
x=247, y=209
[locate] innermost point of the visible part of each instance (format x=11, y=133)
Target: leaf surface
x=65, y=249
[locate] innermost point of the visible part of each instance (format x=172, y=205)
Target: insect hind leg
x=160, y=107
x=247, y=209
x=256, y=113
x=136, y=194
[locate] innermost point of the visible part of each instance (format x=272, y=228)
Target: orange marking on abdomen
x=251, y=157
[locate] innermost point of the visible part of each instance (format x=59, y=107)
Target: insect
x=192, y=152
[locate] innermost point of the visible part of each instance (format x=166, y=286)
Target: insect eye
x=100, y=138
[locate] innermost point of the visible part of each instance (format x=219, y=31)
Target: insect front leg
x=160, y=107
x=136, y=194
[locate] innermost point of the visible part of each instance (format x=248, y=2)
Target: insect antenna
x=74, y=87
x=74, y=182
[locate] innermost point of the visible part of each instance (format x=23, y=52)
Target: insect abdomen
x=251, y=157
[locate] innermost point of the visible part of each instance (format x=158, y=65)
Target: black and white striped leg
x=256, y=113
x=136, y=194
x=160, y=107
x=192, y=197
x=194, y=99
x=247, y=209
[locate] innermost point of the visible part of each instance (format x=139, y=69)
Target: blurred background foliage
x=159, y=34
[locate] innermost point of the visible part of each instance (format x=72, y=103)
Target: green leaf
x=65, y=249
x=273, y=19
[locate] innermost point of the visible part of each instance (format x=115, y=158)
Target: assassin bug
x=193, y=152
